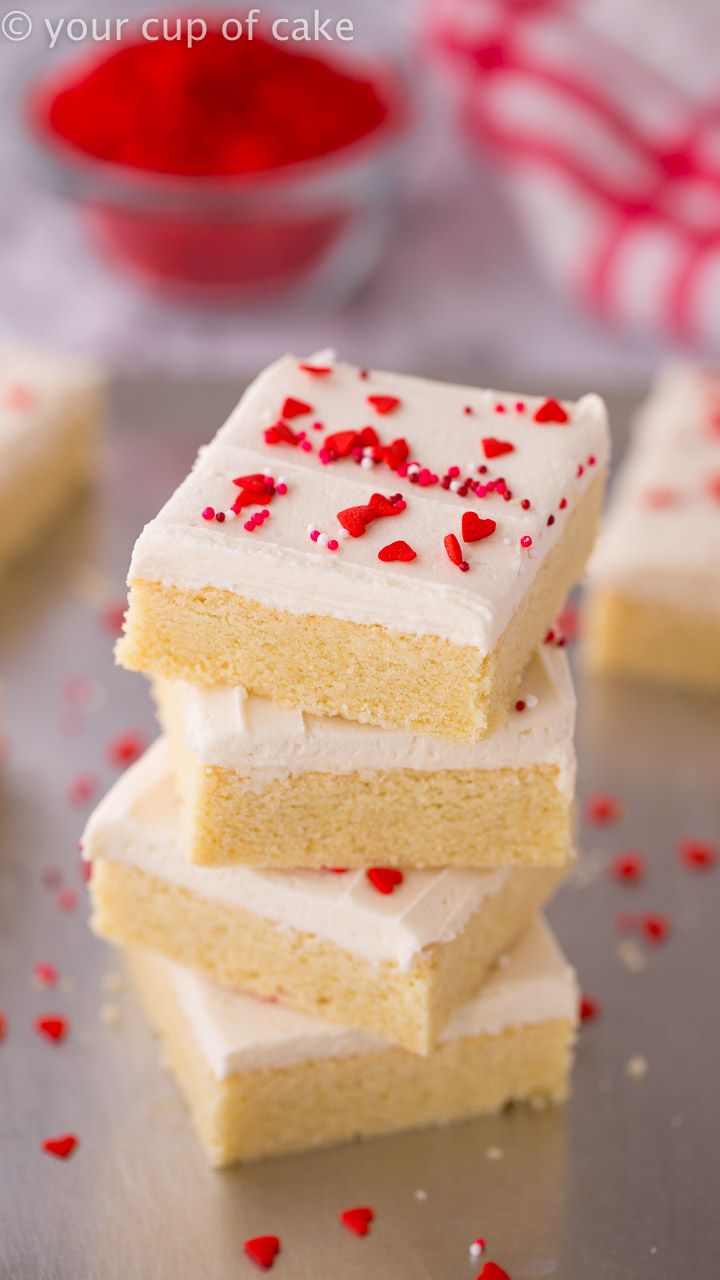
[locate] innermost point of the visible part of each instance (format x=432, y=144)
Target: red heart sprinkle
x=396, y=551
x=589, y=1009
x=281, y=433
x=342, y=442
x=319, y=369
x=293, y=408
x=655, y=928
x=493, y=448
x=369, y=438
x=550, y=411
x=395, y=453
x=358, y=1220
x=262, y=1250
x=356, y=519
x=491, y=1271
x=384, y=879
x=452, y=546
x=256, y=482
x=474, y=529
x=52, y=1027
x=698, y=854
x=383, y=404
x=602, y=809
x=62, y=1146
x=628, y=867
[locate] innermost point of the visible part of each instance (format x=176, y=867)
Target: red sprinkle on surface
x=628, y=867
x=208, y=513
x=281, y=433
x=125, y=749
x=293, y=408
x=520, y=705
x=499, y=408
x=61, y=1147
x=383, y=404
x=384, y=879
x=698, y=854
x=112, y=617
x=602, y=809
x=589, y=1009
x=467, y=408
x=358, y=1220
x=356, y=519
x=52, y=1027
x=525, y=504
x=46, y=974
x=659, y=498
x=474, y=529
x=550, y=411
x=526, y=540
x=491, y=1271
x=262, y=1250
x=493, y=448
x=67, y=900
x=319, y=369
x=82, y=788
x=656, y=928
x=3, y=1026
x=396, y=551
x=569, y=622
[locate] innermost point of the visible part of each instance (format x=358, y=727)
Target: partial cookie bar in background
x=370, y=545
x=270, y=786
x=653, y=603
x=389, y=952
x=50, y=407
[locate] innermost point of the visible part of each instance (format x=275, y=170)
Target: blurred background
x=540, y=197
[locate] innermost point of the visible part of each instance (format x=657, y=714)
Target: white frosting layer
x=137, y=824
x=238, y=1033
x=262, y=741
x=42, y=398
x=661, y=542
x=277, y=564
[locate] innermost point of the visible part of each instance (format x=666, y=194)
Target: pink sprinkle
x=333, y=544
x=314, y=535
x=67, y=900
x=499, y=408
x=580, y=470
x=264, y=513
x=520, y=406
x=208, y=513
x=46, y=974
x=317, y=426
x=306, y=446
x=526, y=540
x=281, y=489
x=591, y=460
x=125, y=749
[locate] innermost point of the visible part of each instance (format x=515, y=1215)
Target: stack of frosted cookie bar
x=328, y=870
x=654, y=598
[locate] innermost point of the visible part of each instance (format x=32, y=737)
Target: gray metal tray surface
x=621, y=1184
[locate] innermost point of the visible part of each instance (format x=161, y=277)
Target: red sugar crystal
x=589, y=1009
x=358, y=1220
x=601, y=809
x=61, y=1147
x=396, y=551
x=384, y=879
x=550, y=411
x=493, y=448
x=383, y=404
x=628, y=867
x=698, y=854
x=52, y=1027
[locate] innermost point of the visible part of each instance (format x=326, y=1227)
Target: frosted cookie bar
x=371, y=545
x=274, y=786
x=391, y=953
x=261, y=1079
x=653, y=606
x=49, y=410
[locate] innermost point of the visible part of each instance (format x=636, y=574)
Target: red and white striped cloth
x=604, y=116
